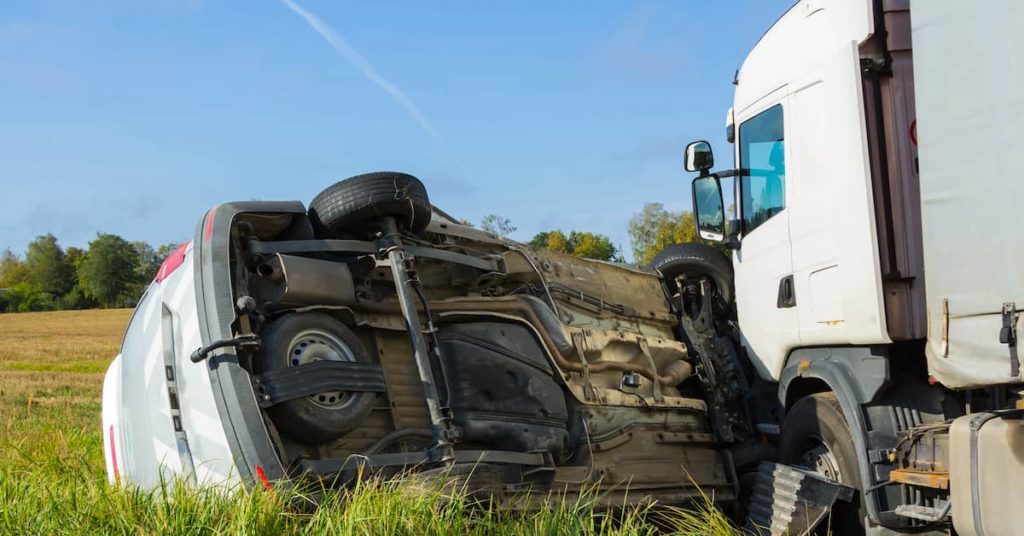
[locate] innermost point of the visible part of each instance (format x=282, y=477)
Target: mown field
x=52, y=478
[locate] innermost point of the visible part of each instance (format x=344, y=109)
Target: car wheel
x=349, y=207
x=694, y=259
x=815, y=436
x=297, y=339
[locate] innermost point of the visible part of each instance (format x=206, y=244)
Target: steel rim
x=818, y=457
x=314, y=345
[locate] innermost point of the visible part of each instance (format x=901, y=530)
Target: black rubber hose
x=395, y=436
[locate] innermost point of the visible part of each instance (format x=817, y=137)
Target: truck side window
x=763, y=167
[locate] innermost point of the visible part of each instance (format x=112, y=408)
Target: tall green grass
x=52, y=477
x=79, y=503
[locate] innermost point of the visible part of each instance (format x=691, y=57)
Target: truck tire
x=346, y=208
x=815, y=436
x=696, y=259
x=298, y=338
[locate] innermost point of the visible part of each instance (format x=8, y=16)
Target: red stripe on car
x=113, y=457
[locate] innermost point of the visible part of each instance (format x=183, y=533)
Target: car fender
x=113, y=439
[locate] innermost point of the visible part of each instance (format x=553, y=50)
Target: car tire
x=815, y=436
x=298, y=338
x=349, y=207
x=696, y=259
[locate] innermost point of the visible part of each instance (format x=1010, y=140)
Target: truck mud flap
x=788, y=500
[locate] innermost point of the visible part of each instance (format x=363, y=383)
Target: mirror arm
x=728, y=173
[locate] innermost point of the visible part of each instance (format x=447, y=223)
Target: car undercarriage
x=378, y=340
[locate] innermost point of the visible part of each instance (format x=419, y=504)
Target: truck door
x=765, y=297
x=836, y=272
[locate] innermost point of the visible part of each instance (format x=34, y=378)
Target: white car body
x=148, y=434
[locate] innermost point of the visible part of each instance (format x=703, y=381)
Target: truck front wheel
x=815, y=436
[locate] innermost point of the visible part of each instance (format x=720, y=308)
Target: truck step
x=924, y=513
x=788, y=500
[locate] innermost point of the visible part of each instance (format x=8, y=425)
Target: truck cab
x=875, y=287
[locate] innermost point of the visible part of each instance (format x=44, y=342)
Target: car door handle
x=787, y=296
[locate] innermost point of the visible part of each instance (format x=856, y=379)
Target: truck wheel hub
x=820, y=459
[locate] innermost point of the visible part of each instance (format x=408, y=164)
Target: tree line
x=110, y=272
x=651, y=230
x=113, y=272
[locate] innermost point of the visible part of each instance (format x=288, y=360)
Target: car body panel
x=156, y=421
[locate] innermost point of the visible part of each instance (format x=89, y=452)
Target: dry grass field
x=51, y=376
x=52, y=478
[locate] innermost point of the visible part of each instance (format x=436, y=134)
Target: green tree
x=540, y=240
x=48, y=270
x=557, y=241
x=654, y=228
x=108, y=274
x=581, y=244
x=12, y=269
x=497, y=225
x=147, y=263
x=591, y=246
x=73, y=257
x=77, y=297
x=642, y=228
x=13, y=273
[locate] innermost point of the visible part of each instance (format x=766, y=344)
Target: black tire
x=348, y=207
x=696, y=259
x=814, y=422
x=296, y=338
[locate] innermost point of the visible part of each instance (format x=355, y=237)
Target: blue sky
x=134, y=117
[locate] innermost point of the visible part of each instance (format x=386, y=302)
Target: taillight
x=172, y=262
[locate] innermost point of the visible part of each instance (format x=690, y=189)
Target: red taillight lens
x=172, y=262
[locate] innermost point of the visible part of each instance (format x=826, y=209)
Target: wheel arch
x=801, y=387
x=856, y=375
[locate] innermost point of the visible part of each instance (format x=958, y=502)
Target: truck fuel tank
x=986, y=472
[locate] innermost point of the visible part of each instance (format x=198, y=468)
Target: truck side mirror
x=708, y=210
x=699, y=157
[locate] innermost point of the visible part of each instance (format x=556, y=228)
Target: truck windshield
x=763, y=167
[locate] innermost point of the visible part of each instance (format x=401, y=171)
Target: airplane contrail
x=345, y=50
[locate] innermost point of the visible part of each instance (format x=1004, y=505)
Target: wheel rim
x=817, y=457
x=315, y=345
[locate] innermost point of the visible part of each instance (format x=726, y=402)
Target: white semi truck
x=872, y=218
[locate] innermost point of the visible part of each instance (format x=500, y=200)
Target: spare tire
x=694, y=259
x=299, y=338
x=349, y=207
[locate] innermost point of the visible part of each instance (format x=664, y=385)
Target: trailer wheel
x=347, y=208
x=299, y=338
x=815, y=436
x=693, y=259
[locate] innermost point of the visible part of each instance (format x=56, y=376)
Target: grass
x=52, y=478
